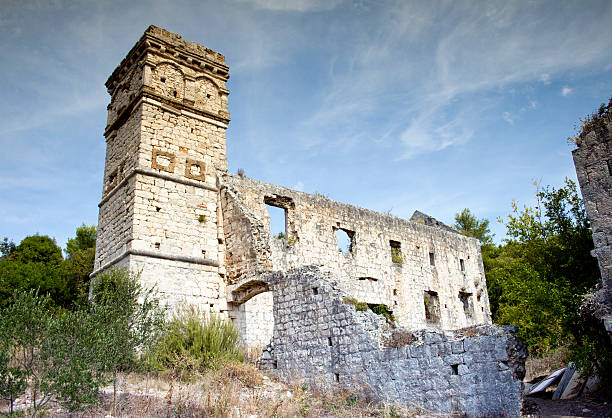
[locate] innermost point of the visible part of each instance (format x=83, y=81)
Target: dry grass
x=544, y=365
x=238, y=390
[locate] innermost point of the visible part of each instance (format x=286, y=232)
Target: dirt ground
x=593, y=405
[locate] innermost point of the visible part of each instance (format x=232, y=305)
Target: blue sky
x=390, y=105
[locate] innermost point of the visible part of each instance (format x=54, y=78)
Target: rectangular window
x=432, y=307
x=462, y=264
x=468, y=306
x=609, y=167
x=432, y=259
x=346, y=240
x=396, y=252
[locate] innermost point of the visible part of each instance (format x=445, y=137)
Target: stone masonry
x=171, y=212
x=325, y=342
x=593, y=161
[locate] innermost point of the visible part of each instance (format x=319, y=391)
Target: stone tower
x=165, y=137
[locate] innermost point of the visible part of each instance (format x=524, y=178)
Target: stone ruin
x=593, y=161
x=171, y=211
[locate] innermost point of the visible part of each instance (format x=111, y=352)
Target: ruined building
x=171, y=210
x=593, y=161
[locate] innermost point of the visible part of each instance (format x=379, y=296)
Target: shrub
x=128, y=315
x=50, y=354
x=193, y=342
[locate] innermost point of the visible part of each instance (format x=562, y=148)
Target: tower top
x=162, y=42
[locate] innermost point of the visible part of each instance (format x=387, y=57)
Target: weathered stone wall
x=593, y=161
x=165, y=145
x=326, y=343
x=368, y=273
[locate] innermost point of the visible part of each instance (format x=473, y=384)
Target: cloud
x=294, y=5
x=507, y=117
x=566, y=91
x=397, y=64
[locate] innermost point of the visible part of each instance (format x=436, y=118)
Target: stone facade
x=170, y=211
x=165, y=146
x=406, y=265
x=593, y=161
x=323, y=341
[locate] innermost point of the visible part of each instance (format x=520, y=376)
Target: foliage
x=591, y=122
x=50, y=353
x=130, y=317
x=384, y=310
x=469, y=225
x=85, y=240
x=46, y=278
x=396, y=255
x=194, y=341
x=37, y=263
x=38, y=249
x=6, y=248
x=79, y=263
x=536, y=279
x=280, y=235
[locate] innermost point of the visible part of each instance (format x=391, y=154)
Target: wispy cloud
x=566, y=91
x=508, y=118
x=295, y=5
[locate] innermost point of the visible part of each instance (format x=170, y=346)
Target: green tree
x=79, y=263
x=6, y=248
x=46, y=278
x=130, y=316
x=38, y=249
x=468, y=224
x=49, y=352
x=544, y=268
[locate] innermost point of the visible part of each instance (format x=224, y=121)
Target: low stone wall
x=324, y=342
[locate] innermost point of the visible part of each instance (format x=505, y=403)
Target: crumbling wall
x=593, y=161
x=410, y=266
x=322, y=341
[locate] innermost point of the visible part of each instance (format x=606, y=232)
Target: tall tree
x=468, y=224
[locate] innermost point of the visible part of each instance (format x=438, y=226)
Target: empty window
x=396, y=252
x=345, y=240
x=315, y=290
x=278, y=207
x=455, y=369
x=432, y=307
x=609, y=167
x=432, y=259
x=278, y=221
x=462, y=264
x=329, y=341
x=468, y=307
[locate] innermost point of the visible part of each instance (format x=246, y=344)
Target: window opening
x=462, y=264
x=609, y=167
x=315, y=290
x=278, y=221
x=455, y=369
x=432, y=307
x=468, y=307
x=396, y=252
x=329, y=341
x=432, y=259
x=157, y=245
x=345, y=240
x=337, y=375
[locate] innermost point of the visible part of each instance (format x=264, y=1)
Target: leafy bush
x=193, y=342
x=49, y=353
